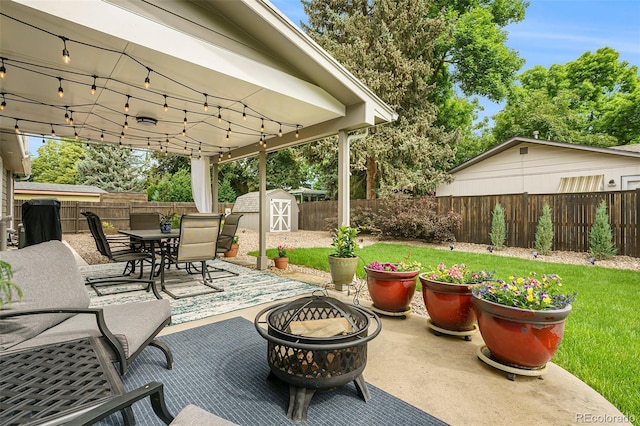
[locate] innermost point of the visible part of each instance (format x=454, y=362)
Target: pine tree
x=498, y=232
x=111, y=168
x=544, y=232
x=601, y=244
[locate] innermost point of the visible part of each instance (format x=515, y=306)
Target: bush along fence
x=572, y=216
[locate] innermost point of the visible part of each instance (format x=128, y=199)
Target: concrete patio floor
x=443, y=377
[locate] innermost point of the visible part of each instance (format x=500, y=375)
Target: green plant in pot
x=166, y=221
x=7, y=287
x=343, y=261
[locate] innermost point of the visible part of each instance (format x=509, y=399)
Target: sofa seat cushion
x=131, y=323
x=49, y=277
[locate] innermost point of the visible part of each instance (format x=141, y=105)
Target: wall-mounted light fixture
x=612, y=182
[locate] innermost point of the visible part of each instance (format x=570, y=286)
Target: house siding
x=538, y=171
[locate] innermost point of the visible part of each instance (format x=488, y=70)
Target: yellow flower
x=530, y=297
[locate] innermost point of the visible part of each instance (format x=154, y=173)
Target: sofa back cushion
x=49, y=278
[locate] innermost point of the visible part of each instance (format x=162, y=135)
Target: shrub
x=498, y=232
x=601, y=244
x=544, y=232
x=416, y=219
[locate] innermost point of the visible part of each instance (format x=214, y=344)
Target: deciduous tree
x=56, y=162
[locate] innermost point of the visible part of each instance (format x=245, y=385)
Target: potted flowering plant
x=522, y=319
x=447, y=296
x=343, y=262
x=233, y=251
x=282, y=260
x=392, y=285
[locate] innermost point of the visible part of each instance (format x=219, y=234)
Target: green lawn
x=601, y=345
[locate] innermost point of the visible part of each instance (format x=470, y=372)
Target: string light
x=3, y=70
x=66, y=113
x=220, y=155
x=4, y=103
x=147, y=81
x=148, y=143
x=199, y=149
x=71, y=117
x=17, y=128
x=244, y=112
x=205, y=106
x=53, y=132
x=121, y=136
x=101, y=135
x=229, y=153
x=185, y=117
x=219, y=116
x=184, y=131
x=261, y=139
x=60, y=91
x=75, y=133
x=66, y=58
x=280, y=131
x=165, y=106
x=297, y=132
x=93, y=86
x=126, y=123
x=262, y=125
x=42, y=138
x=126, y=105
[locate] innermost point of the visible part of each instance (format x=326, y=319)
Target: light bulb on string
x=219, y=116
x=3, y=70
x=185, y=117
x=75, y=133
x=147, y=81
x=229, y=129
x=220, y=155
x=42, y=138
x=148, y=143
x=126, y=123
x=93, y=86
x=262, y=125
x=60, y=91
x=71, y=117
x=101, y=136
x=297, y=132
x=165, y=106
x=205, y=106
x=184, y=131
x=3, y=104
x=126, y=105
x=280, y=131
x=229, y=153
x=122, y=134
x=17, y=128
x=66, y=114
x=66, y=58
x=53, y=132
x=244, y=112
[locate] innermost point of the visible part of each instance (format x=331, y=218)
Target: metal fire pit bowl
x=311, y=363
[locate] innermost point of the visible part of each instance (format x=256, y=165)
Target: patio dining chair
x=197, y=244
x=139, y=221
x=125, y=254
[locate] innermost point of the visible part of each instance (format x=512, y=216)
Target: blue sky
x=556, y=31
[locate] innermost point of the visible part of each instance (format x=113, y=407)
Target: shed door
x=280, y=216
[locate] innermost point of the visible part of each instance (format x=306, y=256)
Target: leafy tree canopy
x=594, y=100
x=56, y=162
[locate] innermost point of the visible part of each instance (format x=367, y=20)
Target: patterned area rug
x=251, y=287
x=222, y=368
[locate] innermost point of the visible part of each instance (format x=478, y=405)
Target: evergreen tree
x=111, y=168
x=601, y=245
x=498, y=232
x=226, y=193
x=544, y=232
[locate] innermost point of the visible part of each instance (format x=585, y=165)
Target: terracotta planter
x=233, y=251
x=391, y=292
x=448, y=304
x=281, y=262
x=521, y=338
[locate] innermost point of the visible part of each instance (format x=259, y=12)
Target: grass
x=601, y=345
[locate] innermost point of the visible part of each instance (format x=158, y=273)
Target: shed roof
x=250, y=202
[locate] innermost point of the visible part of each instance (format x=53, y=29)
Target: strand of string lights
x=93, y=83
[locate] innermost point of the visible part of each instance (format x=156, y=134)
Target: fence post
x=77, y=220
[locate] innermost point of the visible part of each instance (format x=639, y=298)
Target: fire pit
x=316, y=343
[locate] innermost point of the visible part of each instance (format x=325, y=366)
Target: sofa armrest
x=97, y=312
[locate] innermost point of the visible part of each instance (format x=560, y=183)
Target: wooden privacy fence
x=116, y=214
x=572, y=215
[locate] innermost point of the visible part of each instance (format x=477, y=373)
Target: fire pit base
x=300, y=397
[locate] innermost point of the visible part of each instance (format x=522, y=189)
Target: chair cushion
x=131, y=323
x=192, y=415
x=49, y=277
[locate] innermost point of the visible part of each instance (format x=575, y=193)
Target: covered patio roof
x=259, y=75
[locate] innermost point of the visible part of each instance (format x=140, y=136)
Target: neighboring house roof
x=250, y=202
x=307, y=192
x=619, y=150
x=56, y=188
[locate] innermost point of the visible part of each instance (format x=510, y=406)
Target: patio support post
x=263, y=260
x=214, y=188
x=344, y=193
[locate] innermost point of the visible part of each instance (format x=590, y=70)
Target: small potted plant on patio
x=282, y=260
x=343, y=261
x=7, y=287
x=521, y=321
x=392, y=286
x=447, y=296
x=166, y=221
x=233, y=251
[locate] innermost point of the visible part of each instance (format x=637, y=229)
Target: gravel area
x=86, y=248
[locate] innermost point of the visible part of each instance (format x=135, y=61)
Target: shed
x=282, y=208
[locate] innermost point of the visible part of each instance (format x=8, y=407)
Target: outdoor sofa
x=55, y=308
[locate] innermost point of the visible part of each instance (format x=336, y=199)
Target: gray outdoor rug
x=250, y=288
x=222, y=368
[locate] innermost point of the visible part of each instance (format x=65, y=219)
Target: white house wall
x=538, y=171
